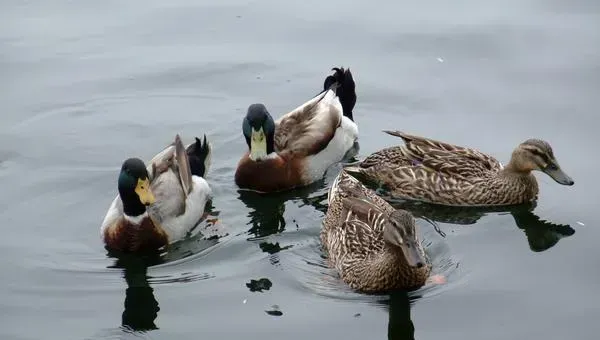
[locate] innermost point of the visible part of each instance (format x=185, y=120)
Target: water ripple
x=309, y=271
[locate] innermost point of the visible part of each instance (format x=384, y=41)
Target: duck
x=298, y=148
x=427, y=170
x=157, y=204
x=373, y=247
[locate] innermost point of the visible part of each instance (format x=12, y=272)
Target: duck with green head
x=298, y=148
x=159, y=203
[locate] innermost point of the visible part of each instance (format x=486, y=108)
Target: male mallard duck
x=159, y=203
x=427, y=170
x=299, y=147
x=374, y=247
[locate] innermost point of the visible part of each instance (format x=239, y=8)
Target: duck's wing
x=392, y=156
x=171, y=183
x=164, y=156
x=361, y=226
x=308, y=129
x=183, y=165
x=442, y=157
x=363, y=210
x=200, y=152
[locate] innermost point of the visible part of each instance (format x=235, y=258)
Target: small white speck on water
x=440, y=59
x=580, y=223
x=244, y=302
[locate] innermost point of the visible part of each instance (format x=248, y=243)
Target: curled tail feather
x=342, y=82
x=199, y=154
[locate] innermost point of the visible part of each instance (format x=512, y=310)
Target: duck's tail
x=199, y=154
x=342, y=82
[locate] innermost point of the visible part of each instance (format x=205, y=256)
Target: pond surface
x=86, y=85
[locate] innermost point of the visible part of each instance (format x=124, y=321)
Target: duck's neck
x=512, y=171
x=520, y=184
x=132, y=206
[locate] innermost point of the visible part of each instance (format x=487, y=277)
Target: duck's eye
x=552, y=167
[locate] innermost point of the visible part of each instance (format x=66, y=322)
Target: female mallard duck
x=374, y=247
x=159, y=203
x=427, y=170
x=299, y=147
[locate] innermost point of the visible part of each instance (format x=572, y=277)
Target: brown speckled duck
x=427, y=170
x=374, y=247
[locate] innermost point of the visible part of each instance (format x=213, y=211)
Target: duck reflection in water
x=400, y=325
x=541, y=235
x=141, y=307
x=266, y=215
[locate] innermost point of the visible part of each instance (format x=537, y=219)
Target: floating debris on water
x=244, y=302
x=581, y=223
x=439, y=59
x=275, y=311
x=357, y=315
x=259, y=285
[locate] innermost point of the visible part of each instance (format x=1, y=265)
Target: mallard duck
x=299, y=147
x=374, y=247
x=427, y=170
x=159, y=203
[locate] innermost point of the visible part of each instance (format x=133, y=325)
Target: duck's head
x=400, y=231
x=134, y=187
x=259, y=131
x=536, y=154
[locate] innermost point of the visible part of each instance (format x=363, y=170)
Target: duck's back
x=434, y=156
x=308, y=129
x=358, y=251
x=170, y=198
x=334, y=232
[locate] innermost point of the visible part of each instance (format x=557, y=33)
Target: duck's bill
x=258, y=145
x=559, y=176
x=413, y=257
x=142, y=189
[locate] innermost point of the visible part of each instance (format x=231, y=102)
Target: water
x=87, y=84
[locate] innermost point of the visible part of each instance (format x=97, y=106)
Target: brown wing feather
x=423, y=183
x=361, y=208
x=361, y=239
x=183, y=164
x=392, y=155
x=308, y=129
x=437, y=156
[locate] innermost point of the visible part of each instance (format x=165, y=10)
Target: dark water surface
x=85, y=85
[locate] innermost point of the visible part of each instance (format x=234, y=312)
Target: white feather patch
x=114, y=211
x=177, y=227
x=343, y=140
x=135, y=219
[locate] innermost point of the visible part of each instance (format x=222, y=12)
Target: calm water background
x=85, y=85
